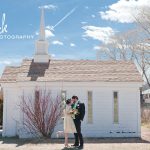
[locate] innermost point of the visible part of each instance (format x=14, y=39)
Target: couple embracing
x=73, y=115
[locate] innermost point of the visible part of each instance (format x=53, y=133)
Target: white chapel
x=109, y=89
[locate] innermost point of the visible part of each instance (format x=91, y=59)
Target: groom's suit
x=77, y=121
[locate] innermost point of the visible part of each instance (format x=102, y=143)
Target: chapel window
x=90, y=107
x=115, y=108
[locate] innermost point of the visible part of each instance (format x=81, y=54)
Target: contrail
x=65, y=17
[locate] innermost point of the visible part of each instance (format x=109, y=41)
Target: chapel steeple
x=41, y=45
x=42, y=26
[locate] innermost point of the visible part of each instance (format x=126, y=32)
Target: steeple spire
x=41, y=45
x=42, y=26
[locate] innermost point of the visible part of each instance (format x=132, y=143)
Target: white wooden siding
x=102, y=126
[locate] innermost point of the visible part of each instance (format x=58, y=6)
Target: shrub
x=41, y=113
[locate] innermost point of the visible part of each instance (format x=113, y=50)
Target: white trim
x=4, y=113
x=139, y=115
x=73, y=84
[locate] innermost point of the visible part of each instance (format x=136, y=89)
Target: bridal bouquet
x=74, y=112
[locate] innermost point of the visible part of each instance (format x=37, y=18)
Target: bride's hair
x=75, y=97
x=68, y=101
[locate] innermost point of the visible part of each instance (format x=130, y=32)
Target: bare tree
x=133, y=44
x=142, y=47
x=118, y=48
x=41, y=113
x=141, y=56
x=143, y=20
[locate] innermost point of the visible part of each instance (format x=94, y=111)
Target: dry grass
x=90, y=144
x=145, y=115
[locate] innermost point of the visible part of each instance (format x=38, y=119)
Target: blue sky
x=86, y=24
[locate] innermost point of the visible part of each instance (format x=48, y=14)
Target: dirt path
x=90, y=144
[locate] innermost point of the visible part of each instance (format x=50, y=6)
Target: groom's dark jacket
x=81, y=109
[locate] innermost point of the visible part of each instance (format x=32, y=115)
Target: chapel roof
x=72, y=71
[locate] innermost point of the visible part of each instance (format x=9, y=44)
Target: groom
x=77, y=121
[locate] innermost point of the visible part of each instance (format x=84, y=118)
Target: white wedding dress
x=69, y=126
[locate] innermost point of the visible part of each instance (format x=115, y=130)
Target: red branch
x=41, y=113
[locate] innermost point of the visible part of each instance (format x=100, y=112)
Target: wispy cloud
x=48, y=32
x=5, y=62
x=72, y=45
x=83, y=22
x=66, y=56
x=53, y=55
x=50, y=7
x=86, y=7
x=65, y=17
x=124, y=10
x=49, y=28
x=9, y=61
x=57, y=43
x=93, y=16
x=15, y=61
x=102, y=34
x=96, y=47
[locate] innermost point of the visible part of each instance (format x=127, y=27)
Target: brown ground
x=90, y=144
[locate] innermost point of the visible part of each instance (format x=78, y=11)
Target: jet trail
x=64, y=18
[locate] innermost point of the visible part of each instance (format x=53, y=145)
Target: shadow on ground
x=70, y=148
x=20, y=142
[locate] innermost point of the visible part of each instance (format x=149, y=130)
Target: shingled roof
x=73, y=71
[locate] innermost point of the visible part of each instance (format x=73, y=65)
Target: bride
x=69, y=126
